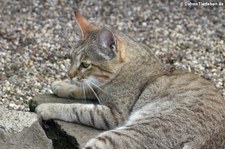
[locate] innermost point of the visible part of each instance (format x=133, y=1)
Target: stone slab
x=15, y=121
x=79, y=132
x=21, y=130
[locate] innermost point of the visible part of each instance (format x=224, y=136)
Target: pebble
x=11, y=105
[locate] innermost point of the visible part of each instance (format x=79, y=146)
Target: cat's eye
x=85, y=65
x=113, y=46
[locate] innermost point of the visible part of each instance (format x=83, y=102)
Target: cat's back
x=182, y=103
x=183, y=88
x=187, y=85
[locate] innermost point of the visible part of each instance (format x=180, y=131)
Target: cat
x=142, y=104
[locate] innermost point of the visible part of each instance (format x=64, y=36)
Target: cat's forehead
x=91, y=48
x=84, y=45
x=87, y=52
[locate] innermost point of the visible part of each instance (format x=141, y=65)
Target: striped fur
x=142, y=105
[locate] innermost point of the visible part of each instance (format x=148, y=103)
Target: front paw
x=44, y=111
x=60, y=88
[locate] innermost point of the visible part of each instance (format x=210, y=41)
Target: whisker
x=81, y=90
x=93, y=92
x=84, y=94
x=109, y=95
x=98, y=87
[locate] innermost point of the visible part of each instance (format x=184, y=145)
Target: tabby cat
x=142, y=105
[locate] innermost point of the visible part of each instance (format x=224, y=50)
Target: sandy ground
x=34, y=38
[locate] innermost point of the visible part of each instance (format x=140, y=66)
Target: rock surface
x=21, y=130
x=80, y=132
x=69, y=134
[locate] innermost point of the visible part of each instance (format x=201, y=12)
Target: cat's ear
x=84, y=25
x=107, y=39
x=108, y=42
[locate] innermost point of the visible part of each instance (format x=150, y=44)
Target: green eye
x=85, y=65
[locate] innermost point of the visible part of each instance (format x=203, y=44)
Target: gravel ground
x=34, y=46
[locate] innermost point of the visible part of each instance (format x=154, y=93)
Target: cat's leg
x=98, y=116
x=120, y=138
x=143, y=136
x=195, y=143
x=66, y=89
x=136, y=138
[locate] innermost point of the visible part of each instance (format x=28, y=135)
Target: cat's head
x=98, y=57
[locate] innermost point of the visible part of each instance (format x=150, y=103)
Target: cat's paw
x=61, y=88
x=43, y=111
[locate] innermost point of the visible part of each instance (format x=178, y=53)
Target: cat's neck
x=141, y=59
x=140, y=67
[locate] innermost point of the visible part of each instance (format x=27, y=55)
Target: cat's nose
x=80, y=79
x=72, y=73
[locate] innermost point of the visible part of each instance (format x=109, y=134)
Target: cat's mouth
x=80, y=79
x=77, y=81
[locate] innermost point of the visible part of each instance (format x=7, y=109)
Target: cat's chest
x=119, y=95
